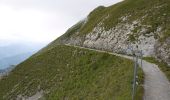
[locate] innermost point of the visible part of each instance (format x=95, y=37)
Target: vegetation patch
x=132, y=38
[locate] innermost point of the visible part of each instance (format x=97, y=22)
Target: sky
x=42, y=21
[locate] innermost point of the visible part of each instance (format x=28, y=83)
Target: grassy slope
x=68, y=72
x=135, y=9
x=163, y=66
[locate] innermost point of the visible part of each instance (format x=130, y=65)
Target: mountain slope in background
x=16, y=53
x=121, y=27
x=6, y=71
x=18, y=48
x=14, y=60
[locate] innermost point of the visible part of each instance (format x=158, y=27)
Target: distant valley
x=12, y=55
x=9, y=62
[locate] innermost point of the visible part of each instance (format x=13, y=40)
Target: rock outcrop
x=124, y=28
x=123, y=39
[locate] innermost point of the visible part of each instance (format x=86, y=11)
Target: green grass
x=72, y=73
x=135, y=9
x=93, y=19
x=132, y=38
x=163, y=66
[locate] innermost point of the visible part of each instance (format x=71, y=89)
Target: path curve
x=156, y=84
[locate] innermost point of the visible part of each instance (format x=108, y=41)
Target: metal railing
x=136, y=55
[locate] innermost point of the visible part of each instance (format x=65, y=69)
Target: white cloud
x=42, y=20
x=26, y=24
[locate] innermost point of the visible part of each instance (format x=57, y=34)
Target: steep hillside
x=68, y=72
x=121, y=27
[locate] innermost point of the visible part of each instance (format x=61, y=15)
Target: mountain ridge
x=125, y=25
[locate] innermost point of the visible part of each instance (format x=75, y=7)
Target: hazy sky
x=41, y=21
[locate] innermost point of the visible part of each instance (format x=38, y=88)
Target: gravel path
x=156, y=84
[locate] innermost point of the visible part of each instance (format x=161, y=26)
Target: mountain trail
x=156, y=84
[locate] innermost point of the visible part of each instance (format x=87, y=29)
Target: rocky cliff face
x=125, y=27
x=162, y=51
x=120, y=39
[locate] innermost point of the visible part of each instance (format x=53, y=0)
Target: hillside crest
x=122, y=27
